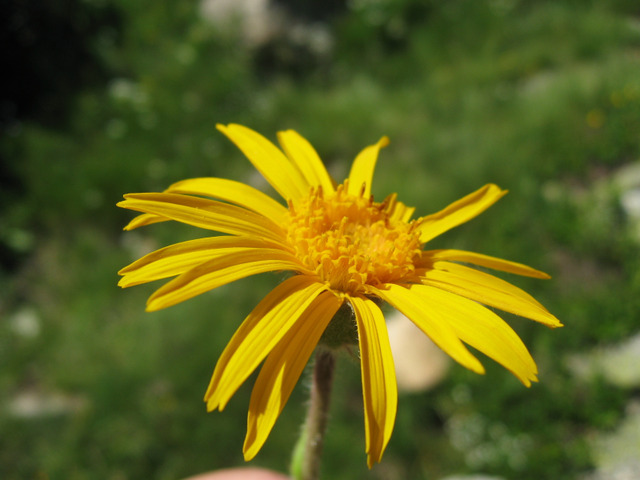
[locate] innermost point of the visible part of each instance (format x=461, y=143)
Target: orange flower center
x=351, y=242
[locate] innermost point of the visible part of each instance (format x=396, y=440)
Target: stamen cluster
x=350, y=241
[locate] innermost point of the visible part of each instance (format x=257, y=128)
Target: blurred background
x=99, y=98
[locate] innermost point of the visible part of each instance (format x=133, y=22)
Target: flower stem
x=306, y=457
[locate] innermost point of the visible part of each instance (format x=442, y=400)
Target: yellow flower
x=341, y=246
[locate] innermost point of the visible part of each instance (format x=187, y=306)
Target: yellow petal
x=402, y=213
x=483, y=330
x=362, y=169
x=431, y=322
x=304, y=156
x=234, y=192
x=488, y=290
x=180, y=257
x=269, y=161
x=283, y=367
x=379, y=388
x=459, y=212
x=483, y=278
x=220, y=271
x=204, y=213
x=144, y=220
x=484, y=261
x=260, y=332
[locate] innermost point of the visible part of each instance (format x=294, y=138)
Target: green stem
x=306, y=457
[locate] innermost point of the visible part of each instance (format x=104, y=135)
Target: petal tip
x=211, y=405
x=248, y=456
x=153, y=306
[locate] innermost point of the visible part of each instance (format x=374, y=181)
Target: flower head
x=342, y=248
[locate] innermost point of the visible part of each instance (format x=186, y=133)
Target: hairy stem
x=306, y=457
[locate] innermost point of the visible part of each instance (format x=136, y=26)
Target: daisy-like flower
x=341, y=247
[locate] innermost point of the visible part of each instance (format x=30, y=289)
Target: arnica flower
x=342, y=247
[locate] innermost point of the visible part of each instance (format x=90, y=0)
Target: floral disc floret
x=350, y=241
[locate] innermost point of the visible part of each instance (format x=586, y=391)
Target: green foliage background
x=540, y=97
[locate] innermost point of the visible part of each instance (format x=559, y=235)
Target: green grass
x=537, y=97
